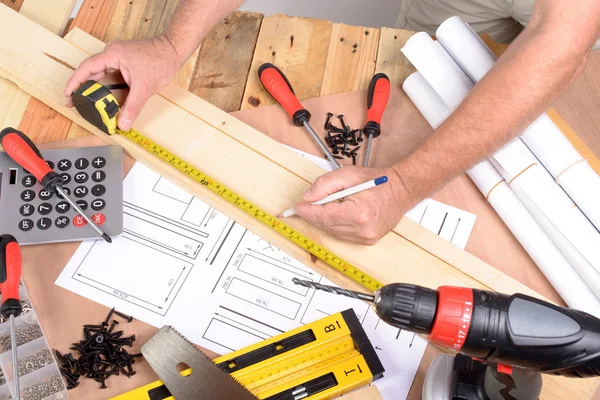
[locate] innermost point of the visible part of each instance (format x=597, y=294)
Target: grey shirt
x=502, y=19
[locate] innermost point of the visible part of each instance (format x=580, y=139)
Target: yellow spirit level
x=318, y=361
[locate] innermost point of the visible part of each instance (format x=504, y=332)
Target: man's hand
x=146, y=65
x=364, y=217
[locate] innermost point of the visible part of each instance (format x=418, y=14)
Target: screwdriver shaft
x=368, y=153
x=335, y=290
x=80, y=211
x=321, y=145
x=15, y=359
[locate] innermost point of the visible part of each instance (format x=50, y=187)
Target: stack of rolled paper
x=533, y=181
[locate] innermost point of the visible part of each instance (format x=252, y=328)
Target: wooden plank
x=351, y=59
x=224, y=61
x=14, y=4
x=298, y=46
x=307, y=170
x=13, y=103
x=271, y=186
x=390, y=59
x=52, y=15
x=94, y=16
x=136, y=19
x=184, y=75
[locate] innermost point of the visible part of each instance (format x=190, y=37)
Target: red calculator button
x=79, y=221
x=98, y=218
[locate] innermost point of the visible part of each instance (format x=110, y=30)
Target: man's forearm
x=193, y=20
x=539, y=66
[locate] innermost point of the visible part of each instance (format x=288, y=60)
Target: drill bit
x=335, y=290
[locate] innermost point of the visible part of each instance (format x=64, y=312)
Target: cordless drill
x=515, y=330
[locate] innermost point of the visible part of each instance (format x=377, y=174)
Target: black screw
x=328, y=120
x=360, y=137
x=341, y=118
x=335, y=129
x=354, y=150
x=125, y=317
x=354, y=158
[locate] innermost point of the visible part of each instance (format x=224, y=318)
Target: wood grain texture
x=41, y=121
x=94, y=17
x=136, y=19
x=224, y=60
x=351, y=59
x=298, y=46
x=14, y=4
x=52, y=15
x=13, y=103
x=390, y=59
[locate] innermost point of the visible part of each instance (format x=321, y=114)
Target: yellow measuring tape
x=318, y=361
x=100, y=107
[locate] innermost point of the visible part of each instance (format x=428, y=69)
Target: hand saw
x=168, y=349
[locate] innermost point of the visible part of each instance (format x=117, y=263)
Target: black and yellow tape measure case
x=318, y=361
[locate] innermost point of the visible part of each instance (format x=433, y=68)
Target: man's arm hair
x=193, y=20
x=539, y=66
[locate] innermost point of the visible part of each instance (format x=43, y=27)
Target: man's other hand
x=362, y=218
x=146, y=65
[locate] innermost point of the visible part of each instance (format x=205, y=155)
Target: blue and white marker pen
x=344, y=193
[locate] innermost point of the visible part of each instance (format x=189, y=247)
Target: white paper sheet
x=543, y=137
x=182, y=263
x=552, y=258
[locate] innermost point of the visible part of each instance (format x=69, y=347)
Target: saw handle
x=275, y=82
x=10, y=276
x=377, y=100
x=22, y=150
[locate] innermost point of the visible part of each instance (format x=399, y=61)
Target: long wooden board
x=309, y=172
x=48, y=61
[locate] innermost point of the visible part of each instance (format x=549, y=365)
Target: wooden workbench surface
x=320, y=58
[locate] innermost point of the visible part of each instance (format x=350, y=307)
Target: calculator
x=92, y=176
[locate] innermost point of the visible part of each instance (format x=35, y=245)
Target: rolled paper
x=543, y=137
x=535, y=240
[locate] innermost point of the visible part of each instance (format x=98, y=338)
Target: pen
x=343, y=193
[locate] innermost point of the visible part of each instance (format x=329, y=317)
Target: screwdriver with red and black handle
x=506, y=330
x=276, y=83
x=11, y=308
x=22, y=150
x=377, y=100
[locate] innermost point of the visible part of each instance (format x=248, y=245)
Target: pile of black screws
x=343, y=141
x=101, y=353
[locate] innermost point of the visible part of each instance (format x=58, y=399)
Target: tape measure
x=317, y=361
x=99, y=106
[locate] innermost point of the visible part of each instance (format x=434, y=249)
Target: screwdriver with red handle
x=22, y=150
x=278, y=86
x=10, y=279
x=377, y=99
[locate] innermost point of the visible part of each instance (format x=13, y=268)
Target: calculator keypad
x=92, y=176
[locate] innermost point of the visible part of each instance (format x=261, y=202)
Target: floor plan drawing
x=180, y=262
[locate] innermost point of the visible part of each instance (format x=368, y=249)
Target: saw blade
x=168, y=348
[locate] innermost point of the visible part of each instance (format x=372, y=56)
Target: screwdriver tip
x=107, y=238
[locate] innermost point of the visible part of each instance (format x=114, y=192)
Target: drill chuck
x=407, y=307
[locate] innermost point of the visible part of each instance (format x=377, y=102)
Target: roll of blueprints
x=515, y=159
x=439, y=70
x=543, y=137
x=530, y=181
x=544, y=252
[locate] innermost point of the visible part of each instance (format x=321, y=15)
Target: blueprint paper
x=182, y=263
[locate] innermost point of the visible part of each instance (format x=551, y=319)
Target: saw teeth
x=208, y=358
